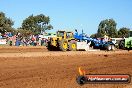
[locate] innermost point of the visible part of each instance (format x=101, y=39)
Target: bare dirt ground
x=35, y=67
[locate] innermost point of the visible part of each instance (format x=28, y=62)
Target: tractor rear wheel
x=122, y=44
x=63, y=45
x=72, y=46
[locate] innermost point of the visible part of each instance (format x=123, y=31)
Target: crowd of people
x=19, y=40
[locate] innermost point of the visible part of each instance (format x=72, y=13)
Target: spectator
x=0, y=36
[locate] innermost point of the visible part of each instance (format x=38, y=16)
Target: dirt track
x=35, y=67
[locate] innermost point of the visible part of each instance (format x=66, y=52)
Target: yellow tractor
x=63, y=41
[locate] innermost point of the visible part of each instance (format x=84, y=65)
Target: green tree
x=5, y=23
x=107, y=27
x=123, y=32
x=93, y=35
x=24, y=32
x=37, y=24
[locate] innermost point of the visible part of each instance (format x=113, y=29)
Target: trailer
x=83, y=45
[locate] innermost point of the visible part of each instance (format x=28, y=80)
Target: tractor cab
x=69, y=34
x=65, y=34
x=61, y=34
x=127, y=42
x=130, y=34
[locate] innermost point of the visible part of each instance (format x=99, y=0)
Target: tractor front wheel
x=63, y=45
x=72, y=46
x=122, y=44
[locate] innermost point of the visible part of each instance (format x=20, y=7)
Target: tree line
x=108, y=27
x=39, y=23
x=31, y=25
